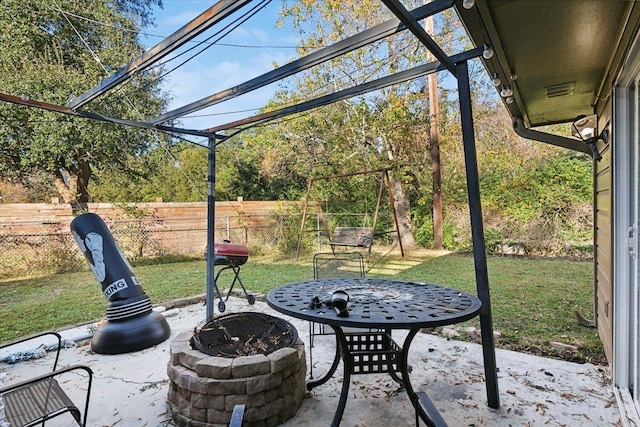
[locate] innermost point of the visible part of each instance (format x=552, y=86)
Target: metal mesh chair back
x=340, y=264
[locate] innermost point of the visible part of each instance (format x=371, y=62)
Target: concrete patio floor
x=130, y=390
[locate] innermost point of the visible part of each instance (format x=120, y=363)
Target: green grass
x=532, y=299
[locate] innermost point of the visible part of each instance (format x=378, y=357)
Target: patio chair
x=426, y=405
x=38, y=399
x=340, y=264
x=330, y=265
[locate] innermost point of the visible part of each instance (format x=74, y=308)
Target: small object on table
x=339, y=302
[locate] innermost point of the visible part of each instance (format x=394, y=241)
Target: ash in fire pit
x=244, y=334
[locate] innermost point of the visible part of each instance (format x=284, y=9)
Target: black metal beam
x=349, y=44
x=211, y=16
x=211, y=223
x=380, y=83
x=89, y=115
x=477, y=235
x=403, y=14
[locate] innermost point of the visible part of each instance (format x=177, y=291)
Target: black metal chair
x=340, y=264
x=38, y=399
x=426, y=405
x=330, y=265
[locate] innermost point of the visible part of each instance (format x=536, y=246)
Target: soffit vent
x=563, y=89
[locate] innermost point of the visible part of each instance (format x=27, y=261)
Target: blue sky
x=221, y=67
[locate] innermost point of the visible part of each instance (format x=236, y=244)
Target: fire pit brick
x=214, y=418
x=177, y=348
x=257, y=401
x=283, y=358
x=226, y=387
x=214, y=367
x=250, y=366
x=264, y=412
x=204, y=393
x=206, y=401
x=190, y=358
x=263, y=382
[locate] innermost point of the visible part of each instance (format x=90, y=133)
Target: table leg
x=404, y=363
x=396, y=378
x=343, y=348
x=332, y=370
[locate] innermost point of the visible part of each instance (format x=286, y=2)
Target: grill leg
x=221, y=305
x=236, y=270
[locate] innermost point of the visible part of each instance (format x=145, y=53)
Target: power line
x=226, y=113
x=226, y=31
x=222, y=33
x=144, y=33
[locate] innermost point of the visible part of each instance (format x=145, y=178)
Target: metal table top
x=377, y=303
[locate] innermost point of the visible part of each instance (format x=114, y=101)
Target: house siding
x=602, y=251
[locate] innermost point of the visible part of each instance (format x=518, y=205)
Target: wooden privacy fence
x=63, y=212
x=36, y=237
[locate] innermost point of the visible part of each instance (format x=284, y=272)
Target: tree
x=378, y=129
x=37, y=189
x=53, y=50
x=180, y=175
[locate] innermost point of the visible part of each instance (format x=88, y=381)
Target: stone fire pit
x=204, y=389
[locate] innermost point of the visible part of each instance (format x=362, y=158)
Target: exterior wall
x=603, y=262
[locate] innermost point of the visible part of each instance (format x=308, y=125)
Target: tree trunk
x=73, y=186
x=403, y=210
x=83, y=177
x=434, y=139
x=66, y=188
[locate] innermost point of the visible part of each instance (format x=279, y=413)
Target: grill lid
x=243, y=334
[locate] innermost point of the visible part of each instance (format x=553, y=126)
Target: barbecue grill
x=232, y=257
x=243, y=334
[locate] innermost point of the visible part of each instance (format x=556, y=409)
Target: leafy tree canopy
x=53, y=50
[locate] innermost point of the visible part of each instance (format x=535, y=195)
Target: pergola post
x=477, y=234
x=211, y=220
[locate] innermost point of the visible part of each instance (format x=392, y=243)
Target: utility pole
x=434, y=140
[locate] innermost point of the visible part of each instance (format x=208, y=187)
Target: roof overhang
x=559, y=57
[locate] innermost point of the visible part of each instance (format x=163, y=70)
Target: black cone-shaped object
x=130, y=324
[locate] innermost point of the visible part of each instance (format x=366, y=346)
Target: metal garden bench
x=355, y=237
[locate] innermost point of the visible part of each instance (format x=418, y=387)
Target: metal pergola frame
x=456, y=65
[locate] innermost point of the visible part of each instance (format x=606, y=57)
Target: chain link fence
x=31, y=248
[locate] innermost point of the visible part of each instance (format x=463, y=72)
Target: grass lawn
x=532, y=299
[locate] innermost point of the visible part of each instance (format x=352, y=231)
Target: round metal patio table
x=374, y=303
